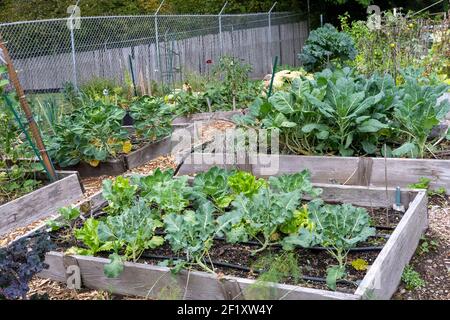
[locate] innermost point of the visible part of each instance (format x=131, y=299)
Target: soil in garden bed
x=313, y=262
x=5, y=197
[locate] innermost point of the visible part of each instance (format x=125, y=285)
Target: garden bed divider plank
x=90, y=202
x=40, y=203
x=397, y=252
x=149, y=152
x=363, y=171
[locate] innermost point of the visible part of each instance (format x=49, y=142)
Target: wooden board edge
x=397, y=252
x=145, y=280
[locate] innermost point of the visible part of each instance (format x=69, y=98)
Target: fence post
x=270, y=31
x=220, y=28
x=71, y=24
x=157, y=41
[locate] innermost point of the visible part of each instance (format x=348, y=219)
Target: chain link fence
x=150, y=48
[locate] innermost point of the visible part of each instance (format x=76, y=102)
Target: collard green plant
x=346, y=110
x=336, y=227
x=19, y=263
x=326, y=46
x=416, y=113
x=192, y=233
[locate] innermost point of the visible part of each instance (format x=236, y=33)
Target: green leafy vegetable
x=192, y=233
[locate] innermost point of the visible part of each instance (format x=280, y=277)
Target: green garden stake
x=130, y=60
x=398, y=201
x=273, y=76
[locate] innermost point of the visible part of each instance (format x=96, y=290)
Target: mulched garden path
x=432, y=257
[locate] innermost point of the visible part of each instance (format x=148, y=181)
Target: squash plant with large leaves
x=152, y=118
x=91, y=133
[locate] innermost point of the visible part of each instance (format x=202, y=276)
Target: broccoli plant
x=262, y=215
x=133, y=230
x=336, y=227
x=192, y=233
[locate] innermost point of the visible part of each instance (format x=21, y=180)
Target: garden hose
x=246, y=269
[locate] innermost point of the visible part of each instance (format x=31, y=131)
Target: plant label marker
x=398, y=203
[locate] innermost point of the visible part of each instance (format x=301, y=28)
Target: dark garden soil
x=312, y=263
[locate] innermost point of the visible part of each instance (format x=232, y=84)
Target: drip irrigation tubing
x=244, y=268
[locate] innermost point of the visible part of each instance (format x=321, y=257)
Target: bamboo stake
x=27, y=110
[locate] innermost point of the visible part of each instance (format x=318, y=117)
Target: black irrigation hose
x=255, y=243
x=246, y=269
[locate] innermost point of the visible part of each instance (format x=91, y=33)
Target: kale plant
x=19, y=262
x=326, y=46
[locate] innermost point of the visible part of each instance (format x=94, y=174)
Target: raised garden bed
x=41, y=203
x=132, y=160
x=380, y=282
x=362, y=171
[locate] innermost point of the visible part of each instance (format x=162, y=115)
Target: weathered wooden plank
x=148, y=280
x=335, y=170
x=89, y=203
x=384, y=275
x=39, y=204
x=402, y=172
x=354, y=171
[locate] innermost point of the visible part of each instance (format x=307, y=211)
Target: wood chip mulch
x=211, y=129
x=92, y=186
x=432, y=264
x=51, y=290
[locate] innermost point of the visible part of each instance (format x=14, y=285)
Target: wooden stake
x=27, y=110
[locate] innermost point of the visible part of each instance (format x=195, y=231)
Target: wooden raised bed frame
x=362, y=171
x=380, y=282
x=41, y=203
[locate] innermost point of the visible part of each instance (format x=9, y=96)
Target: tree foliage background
x=17, y=10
